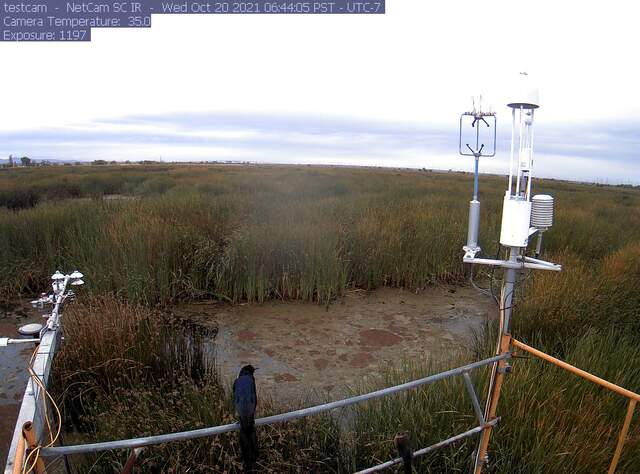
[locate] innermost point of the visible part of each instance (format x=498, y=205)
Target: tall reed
x=257, y=233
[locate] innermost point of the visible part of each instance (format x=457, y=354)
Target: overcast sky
x=378, y=90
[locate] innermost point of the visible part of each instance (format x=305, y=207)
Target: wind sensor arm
x=469, y=120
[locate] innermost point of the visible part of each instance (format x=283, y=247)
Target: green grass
x=256, y=233
x=551, y=422
x=262, y=232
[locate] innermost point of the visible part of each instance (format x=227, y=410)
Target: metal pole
x=475, y=178
x=474, y=399
x=623, y=436
x=508, y=288
x=292, y=415
x=67, y=464
x=513, y=135
x=579, y=372
x=423, y=451
x=497, y=376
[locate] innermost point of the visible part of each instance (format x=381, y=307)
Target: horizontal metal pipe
x=5, y=340
x=433, y=447
x=579, y=372
x=537, y=266
x=216, y=430
x=516, y=266
x=537, y=260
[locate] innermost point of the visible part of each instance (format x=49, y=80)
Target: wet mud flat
x=307, y=352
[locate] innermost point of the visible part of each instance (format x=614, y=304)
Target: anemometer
x=480, y=122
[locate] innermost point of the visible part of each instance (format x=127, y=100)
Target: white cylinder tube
x=474, y=224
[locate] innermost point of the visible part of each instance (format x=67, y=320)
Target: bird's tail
x=248, y=443
x=407, y=460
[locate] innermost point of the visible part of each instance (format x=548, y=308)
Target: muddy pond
x=304, y=352
x=308, y=352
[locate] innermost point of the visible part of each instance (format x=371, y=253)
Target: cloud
x=601, y=152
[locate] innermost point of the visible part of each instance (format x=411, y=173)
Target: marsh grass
x=126, y=371
x=551, y=422
x=141, y=380
x=262, y=232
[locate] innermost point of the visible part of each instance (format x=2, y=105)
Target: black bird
x=403, y=444
x=245, y=399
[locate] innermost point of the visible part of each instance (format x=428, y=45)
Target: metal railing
x=31, y=408
x=305, y=412
x=632, y=396
x=33, y=415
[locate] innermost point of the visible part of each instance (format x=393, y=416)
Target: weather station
x=523, y=215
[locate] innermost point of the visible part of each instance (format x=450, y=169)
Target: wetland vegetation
x=255, y=233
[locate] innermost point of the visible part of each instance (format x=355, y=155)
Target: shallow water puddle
x=306, y=352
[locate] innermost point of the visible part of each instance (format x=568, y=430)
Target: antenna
x=479, y=121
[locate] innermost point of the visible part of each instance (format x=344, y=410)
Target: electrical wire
x=35, y=460
x=487, y=291
x=55, y=406
x=36, y=379
x=484, y=291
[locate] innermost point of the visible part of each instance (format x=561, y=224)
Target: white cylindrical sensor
x=542, y=211
x=474, y=224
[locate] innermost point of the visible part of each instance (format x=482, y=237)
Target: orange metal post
x=493, y=405
x=623, y=436
x=632, y=396
x=19, y=459
x=30, y=437
x=579, y=372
